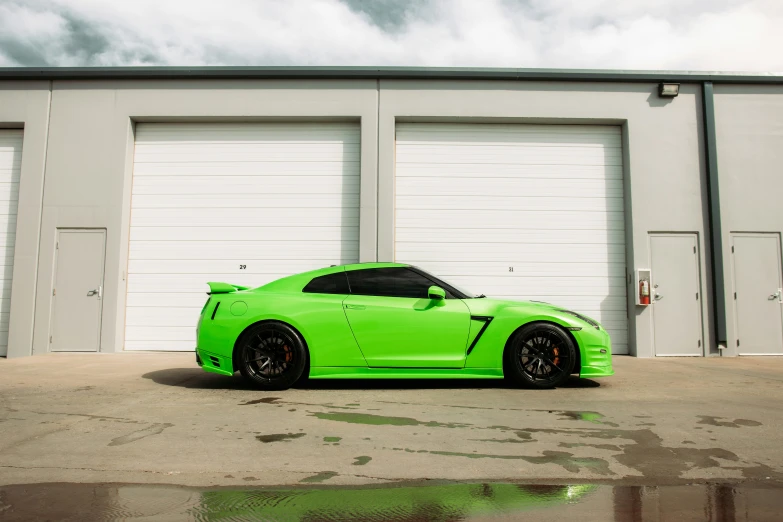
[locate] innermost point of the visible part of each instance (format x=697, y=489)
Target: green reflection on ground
x=437, y=503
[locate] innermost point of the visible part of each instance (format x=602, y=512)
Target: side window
x=389, y=282
x=335, y=283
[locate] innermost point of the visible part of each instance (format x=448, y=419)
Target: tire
x=539, y=355
x=272, y=356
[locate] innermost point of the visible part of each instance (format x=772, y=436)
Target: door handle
x=92, y=293
x=776, y=295
x=658, y=296
x=98, y=292
x=355, y=307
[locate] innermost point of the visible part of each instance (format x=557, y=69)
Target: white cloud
x=629, y=34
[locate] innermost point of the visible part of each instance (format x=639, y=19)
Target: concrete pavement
x=157, y=418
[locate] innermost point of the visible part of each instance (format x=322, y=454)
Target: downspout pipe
x=716, y=229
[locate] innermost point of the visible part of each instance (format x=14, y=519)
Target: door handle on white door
x=98, y=292
x=776, y=295
x=658, y=296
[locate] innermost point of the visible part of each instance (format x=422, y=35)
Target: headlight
x=583, y=318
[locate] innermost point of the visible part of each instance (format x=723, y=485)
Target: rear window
x=328, y=284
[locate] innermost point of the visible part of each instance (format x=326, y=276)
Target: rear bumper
x=214, y=363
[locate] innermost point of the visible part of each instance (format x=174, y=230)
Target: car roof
x=297, y=281
x=361, y=266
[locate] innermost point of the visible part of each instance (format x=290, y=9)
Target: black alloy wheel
x=540, y=355
x=272, y=355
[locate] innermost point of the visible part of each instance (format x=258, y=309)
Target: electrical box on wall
x=643, y=286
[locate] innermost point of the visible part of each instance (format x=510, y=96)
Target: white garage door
x=517, y=211
x=10, y=169
x=239, y=203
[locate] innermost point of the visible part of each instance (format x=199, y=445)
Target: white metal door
x=10, y=169
x=676, y=299
x=757, y=293
x=244, y=203
x=517, y=211
x=77, y=295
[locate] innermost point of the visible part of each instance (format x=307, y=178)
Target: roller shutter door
x=10, y=169
x=239, y=203
x=517, y=211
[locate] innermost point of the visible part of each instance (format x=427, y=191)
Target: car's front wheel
x=272, y=355
x=539, y=355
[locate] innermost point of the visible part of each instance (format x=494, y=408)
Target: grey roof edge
x=388, y=73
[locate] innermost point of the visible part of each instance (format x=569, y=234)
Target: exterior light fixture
x=668, y=90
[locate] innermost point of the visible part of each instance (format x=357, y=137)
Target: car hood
x=532, y=310
x=484, y=302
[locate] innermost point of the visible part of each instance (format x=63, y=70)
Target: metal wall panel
x=10, y=170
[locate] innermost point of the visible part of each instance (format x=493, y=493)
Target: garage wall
x=90, y=151
x=90, y=159
x=25, y=106
x=749, y=132
x=662, y=146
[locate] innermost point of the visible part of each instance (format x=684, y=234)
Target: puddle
x=720, y=421
x=279, y=437
x=319, y=477
x=561, y=458
x=381, y=420
x=265, y=400
x=587, y=416
x=398, y=502
x=503, y=441
x=646, y=453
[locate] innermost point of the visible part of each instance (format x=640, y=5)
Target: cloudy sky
x=730, y=35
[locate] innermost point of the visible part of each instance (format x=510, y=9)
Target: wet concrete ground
x=157, y=418
x=400, y=502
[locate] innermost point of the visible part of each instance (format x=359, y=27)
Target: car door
x=398, y=326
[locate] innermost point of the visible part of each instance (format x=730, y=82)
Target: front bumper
x=596, y=352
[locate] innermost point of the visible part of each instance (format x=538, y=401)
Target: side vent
x=215, y=361
x=215, y=310
x=487, y=319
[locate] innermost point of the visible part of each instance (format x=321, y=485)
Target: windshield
x=458, y=292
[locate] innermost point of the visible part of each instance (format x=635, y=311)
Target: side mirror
x=436, y=293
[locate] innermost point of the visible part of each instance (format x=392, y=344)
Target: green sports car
x=391, y=321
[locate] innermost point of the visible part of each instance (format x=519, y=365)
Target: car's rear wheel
x=539, y=355
x=272, y=355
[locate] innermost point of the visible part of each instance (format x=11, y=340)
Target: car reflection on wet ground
x=393, y=502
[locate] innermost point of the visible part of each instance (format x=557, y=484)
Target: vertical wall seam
x=713, y=196
x=377, y=166
x=40, y=216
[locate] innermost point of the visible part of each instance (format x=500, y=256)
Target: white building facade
x=136, y=186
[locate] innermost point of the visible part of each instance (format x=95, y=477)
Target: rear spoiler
x=224, y=288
